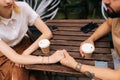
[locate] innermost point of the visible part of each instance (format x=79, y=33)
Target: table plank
x=75, y=21
x=77, y=43
x=76, y=38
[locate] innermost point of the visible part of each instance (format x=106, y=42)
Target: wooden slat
x=72, y=33
x=68, y=24
x=76, y=21
x=72, y=28
x=77, y=43
x=76, y=38
x=53, y=68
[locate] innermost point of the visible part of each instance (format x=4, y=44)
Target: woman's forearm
x=26, y=59
x=15, y=57
x=46, y=34
x=34, y=46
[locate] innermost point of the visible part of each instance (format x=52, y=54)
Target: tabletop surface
x=68, y=36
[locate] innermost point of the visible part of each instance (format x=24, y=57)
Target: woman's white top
x=14, y=29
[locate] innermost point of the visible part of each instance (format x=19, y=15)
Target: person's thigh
x=20, y=73
x=6, y=67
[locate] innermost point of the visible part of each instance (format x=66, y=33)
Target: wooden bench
x=68, y=36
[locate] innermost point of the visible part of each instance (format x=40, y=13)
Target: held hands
x=64, y=58
x=68, y=60
x=86, y=41
x=56, y=57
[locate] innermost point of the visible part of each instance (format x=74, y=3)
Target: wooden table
x=68, y=36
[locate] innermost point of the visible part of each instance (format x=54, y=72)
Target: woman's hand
x=86, y=41
x=68, y=60
x=56, y=57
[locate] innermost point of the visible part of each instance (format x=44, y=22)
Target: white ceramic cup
x=44, y=44
x=88, y=49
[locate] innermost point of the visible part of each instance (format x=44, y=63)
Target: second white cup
x=88, y=49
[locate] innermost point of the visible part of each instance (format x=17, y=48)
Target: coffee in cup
x=44, y=44
x=88, y=49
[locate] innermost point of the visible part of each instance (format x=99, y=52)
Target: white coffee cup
x=44, y=44
x=88, y=49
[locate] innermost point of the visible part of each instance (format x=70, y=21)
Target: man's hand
x=86, y=41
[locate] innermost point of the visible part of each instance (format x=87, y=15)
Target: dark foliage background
x=79, y=9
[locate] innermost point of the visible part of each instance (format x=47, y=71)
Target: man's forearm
x=101, y=73
x=101, y=31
